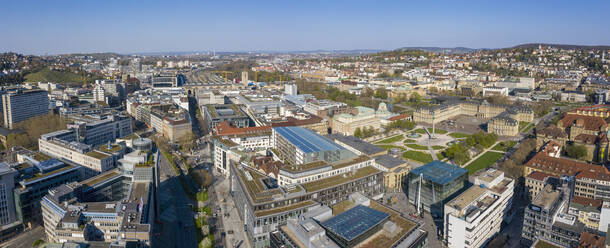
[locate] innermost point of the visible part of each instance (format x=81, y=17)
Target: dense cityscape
x=126, y=141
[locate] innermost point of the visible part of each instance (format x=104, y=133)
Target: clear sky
x=58, y=26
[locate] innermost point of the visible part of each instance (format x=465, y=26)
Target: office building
x=297, y=145
x=9, y=221
x=36, y=174
x=215, y=114
x=115, y=208
x=247, y=137
x=223, y=153
x=356, y=222
x=71, y=216
x=92, y=161
x=21, y=105
x=431, y=185
x=265, y=206
x=476, y=215
x=546, y=218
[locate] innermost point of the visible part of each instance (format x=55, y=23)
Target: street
x=231, y=225
x=25, y=239
x=176, y=223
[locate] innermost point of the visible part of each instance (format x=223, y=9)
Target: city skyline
x=41, y=27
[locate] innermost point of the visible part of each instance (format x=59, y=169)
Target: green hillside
x=62, y=77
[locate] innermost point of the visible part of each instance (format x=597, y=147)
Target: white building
x=290, y=89
x=491, y=90
x=98, y=93
x=475, y=216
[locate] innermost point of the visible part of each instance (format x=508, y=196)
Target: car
x=223, y=234
x=230, y=231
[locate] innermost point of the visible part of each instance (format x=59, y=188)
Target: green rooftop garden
x=97, y=155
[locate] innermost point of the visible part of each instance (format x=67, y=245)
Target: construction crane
x=84, y=79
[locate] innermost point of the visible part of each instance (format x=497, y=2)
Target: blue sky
x=51, y=27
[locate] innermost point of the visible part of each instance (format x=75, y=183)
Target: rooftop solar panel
x=354, y=222
x=307, y=140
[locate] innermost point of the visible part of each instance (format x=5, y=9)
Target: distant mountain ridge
x=448, y=50
x=563, y=46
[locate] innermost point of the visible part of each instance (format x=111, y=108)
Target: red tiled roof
x=553, y=131
x=290, y=121
x=587, y=201
x=399, y=117
x=563, y=166
x=539, y=175
x=594, y=123
x=590, y=240
x=586, y=138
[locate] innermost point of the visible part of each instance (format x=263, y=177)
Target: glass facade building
x=432, y=184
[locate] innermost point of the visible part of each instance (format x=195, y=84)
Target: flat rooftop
x=467, y=197
x=354, y=222
x=439, y=172
x=358, y=144
x=546, y=197
x=100, y=178
x=306, y=140
x=339, y=179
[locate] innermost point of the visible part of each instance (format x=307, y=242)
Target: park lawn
x=417, y=156
x=388, y=147
x=437, y=131
x=417, y=147
x=410, y=141
x=523, y=124
x=484, y=161
x=528, y=128
x=440, y=155
x=420, y=131
x=459, y=135
x=504, y=146
x=391, y=139
x=438, y=147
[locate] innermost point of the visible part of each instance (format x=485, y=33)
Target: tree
x=381, y=93
x=367, y=92
x=498, y=99
x=458, y=153
x=358, y=132
x=415, y=97
x=576, y=151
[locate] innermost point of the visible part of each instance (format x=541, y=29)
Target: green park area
x=484, y=161
x=391, y=139
x=422, y=157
